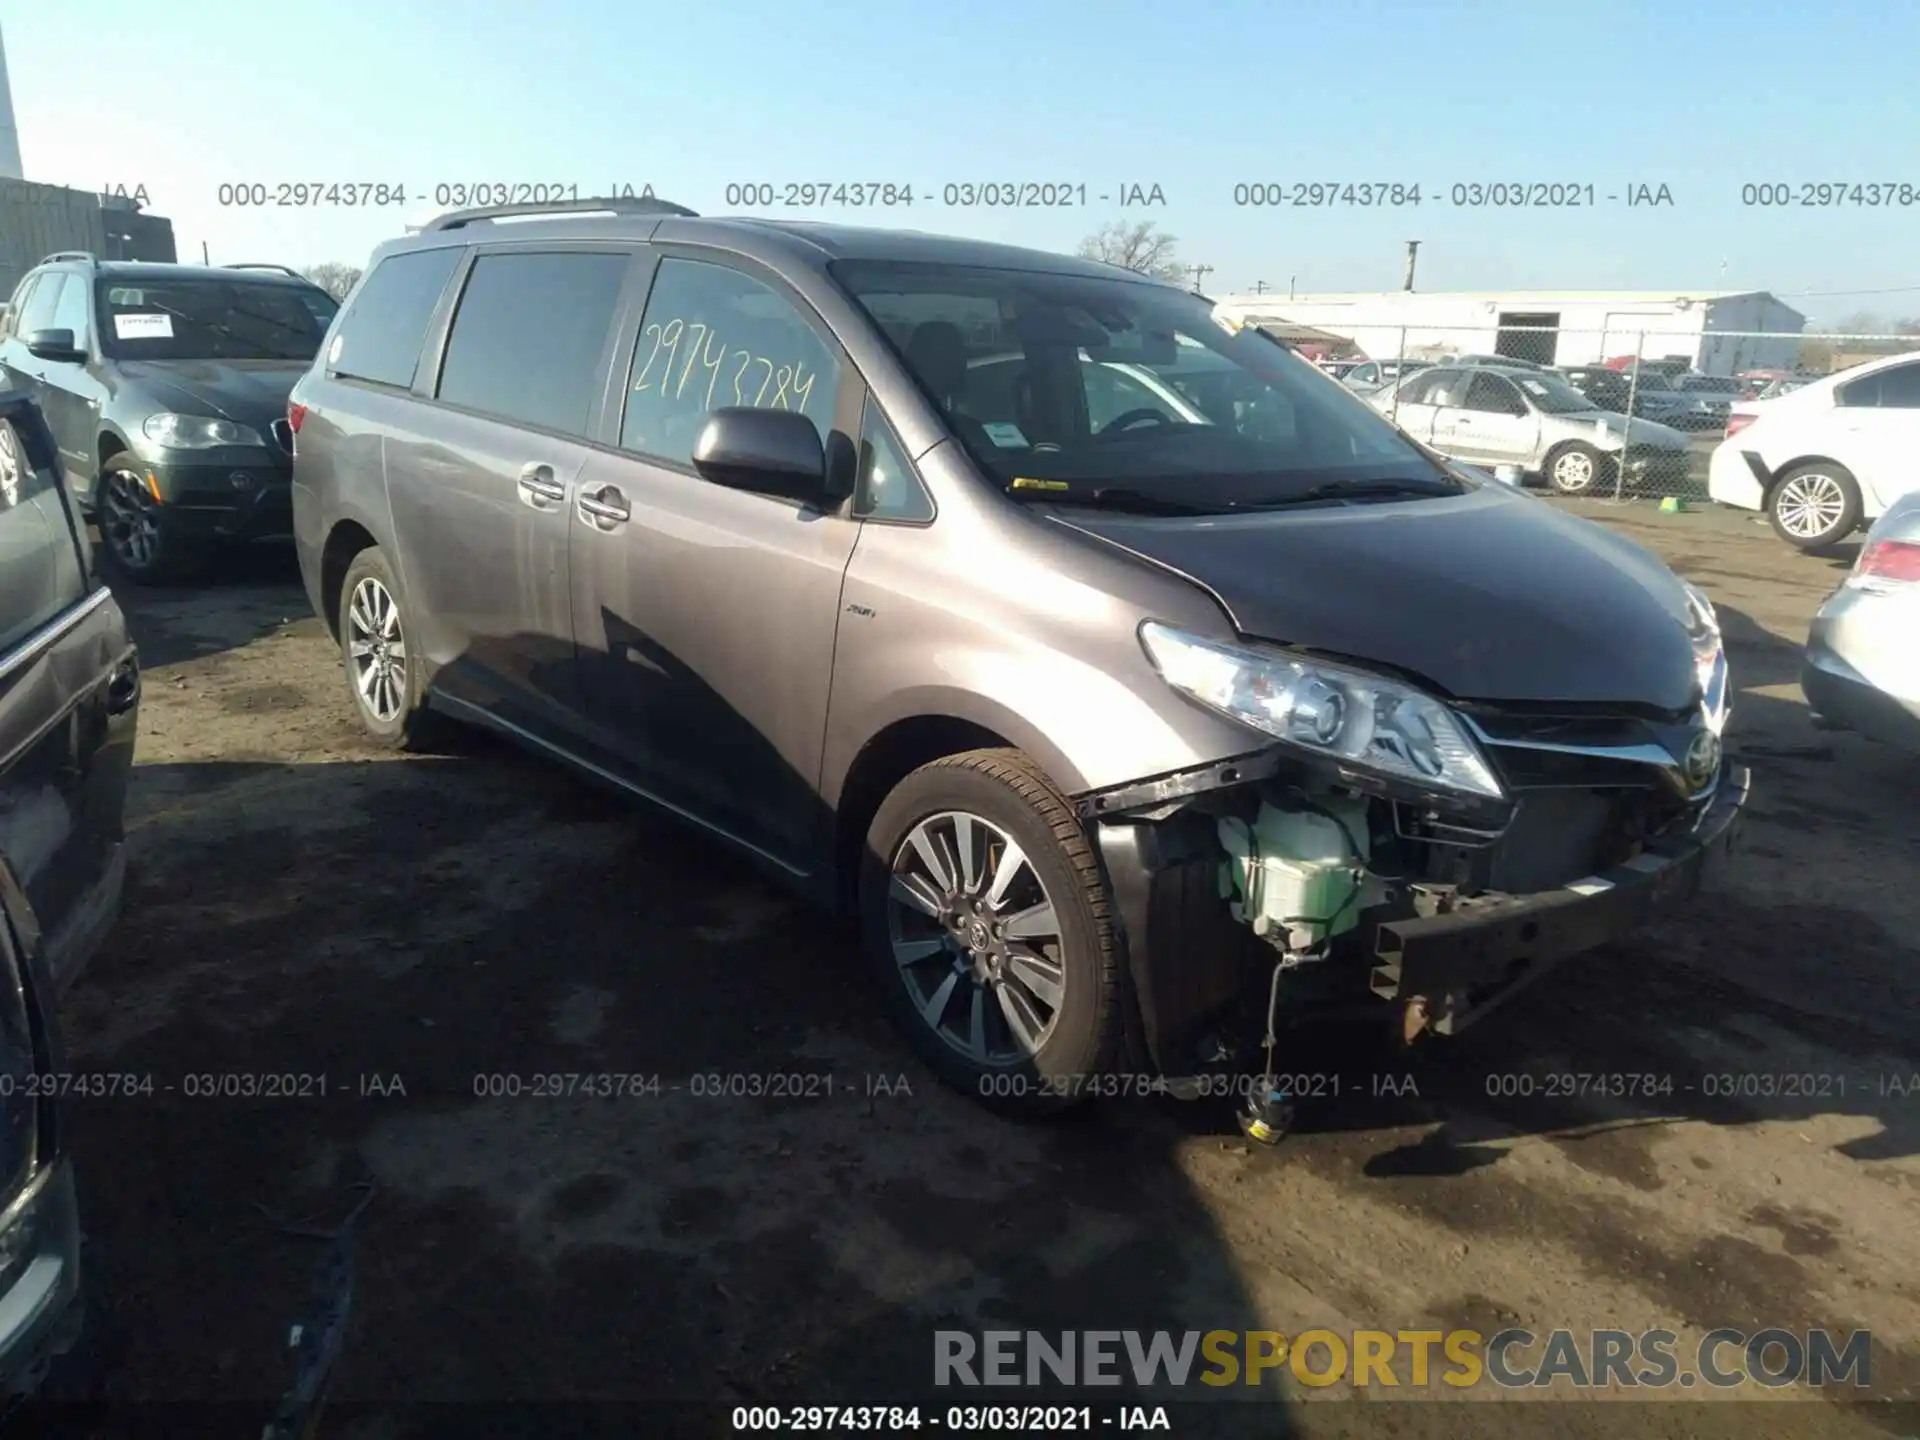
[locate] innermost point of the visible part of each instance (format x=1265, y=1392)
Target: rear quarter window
x=381, y=336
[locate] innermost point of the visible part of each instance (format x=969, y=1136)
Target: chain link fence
x=1615, y=413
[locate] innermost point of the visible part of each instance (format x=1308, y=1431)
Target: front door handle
x=604, y=507
x=539, y=488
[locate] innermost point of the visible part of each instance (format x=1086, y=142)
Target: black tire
x=395, y=712
x=1815, y=505
x=1575, y=468
x=1084, y=1038
x=140, y=536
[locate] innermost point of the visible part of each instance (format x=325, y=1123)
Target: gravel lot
x=305, y=905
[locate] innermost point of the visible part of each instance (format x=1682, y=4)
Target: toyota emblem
x=1702, y=760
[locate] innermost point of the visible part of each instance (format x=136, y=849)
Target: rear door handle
x=539, y=488
x=604, y=507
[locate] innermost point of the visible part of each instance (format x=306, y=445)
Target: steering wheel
x=1135, y=417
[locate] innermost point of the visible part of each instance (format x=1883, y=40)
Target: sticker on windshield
x=1005, y=434
x=143, y=327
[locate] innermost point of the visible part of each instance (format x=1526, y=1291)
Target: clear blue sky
x=1700, y=96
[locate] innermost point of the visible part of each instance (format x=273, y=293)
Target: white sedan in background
x=1828, y=457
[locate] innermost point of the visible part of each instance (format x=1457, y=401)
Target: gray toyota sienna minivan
x=1137, y=687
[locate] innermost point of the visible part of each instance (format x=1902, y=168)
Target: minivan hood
x=1489, y=596
x=248, y=392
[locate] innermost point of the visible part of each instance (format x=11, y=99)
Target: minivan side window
x=529, y=336
x=381, y=336
x=887, y=489
x=713, y=337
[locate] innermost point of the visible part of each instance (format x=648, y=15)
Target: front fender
x=1087, y=728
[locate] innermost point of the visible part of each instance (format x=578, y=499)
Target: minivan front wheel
x=1815, y=505
x=383, y=673
x=987, y=921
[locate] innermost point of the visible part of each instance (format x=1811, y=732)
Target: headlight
x=196, y=432
x=1345, y=715
x=1709, y=653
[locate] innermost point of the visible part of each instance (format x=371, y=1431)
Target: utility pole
x=203, y=254
x=1413, y=254
x=1198, y=272
x=1259, y=287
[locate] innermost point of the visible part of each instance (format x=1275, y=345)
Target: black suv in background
x=69, y=701
x=165, y=387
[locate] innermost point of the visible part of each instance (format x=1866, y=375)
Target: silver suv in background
x=1096, y=653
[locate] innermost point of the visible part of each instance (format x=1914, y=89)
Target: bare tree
x=333, y=277
x=1142, y=247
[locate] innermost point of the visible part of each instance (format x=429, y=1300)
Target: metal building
x=1711, y=329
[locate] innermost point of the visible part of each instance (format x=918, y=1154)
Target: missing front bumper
x=1479, y=954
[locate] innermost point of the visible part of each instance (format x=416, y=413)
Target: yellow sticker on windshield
x=1021, y=483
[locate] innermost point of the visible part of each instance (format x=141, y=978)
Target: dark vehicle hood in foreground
x=248, y=392
x=1488, y=596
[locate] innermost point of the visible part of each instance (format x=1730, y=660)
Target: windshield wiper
x=1115, y=497
x=1357, y=490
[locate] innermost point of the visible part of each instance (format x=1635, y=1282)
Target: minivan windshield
x=1065, y=386
x=195, y=319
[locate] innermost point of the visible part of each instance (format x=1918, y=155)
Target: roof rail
x=257, y=265
x=610, y=205
x=68, y=255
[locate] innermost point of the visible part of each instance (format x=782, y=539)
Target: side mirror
x=54, y=345
x=769, y=452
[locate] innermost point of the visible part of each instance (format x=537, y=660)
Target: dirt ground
x=303, y=905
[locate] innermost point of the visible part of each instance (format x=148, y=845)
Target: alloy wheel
x=128, y=521
x=1810, y=505
x=1573, y=471
x=976, y=938
x=377, y=650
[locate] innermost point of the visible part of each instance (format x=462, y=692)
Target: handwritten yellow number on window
x=783, y=378
x=802, y=393
x=761, y=395
x=746, y=359
x=653, y=354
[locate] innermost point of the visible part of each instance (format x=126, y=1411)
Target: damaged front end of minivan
x=1390, y=851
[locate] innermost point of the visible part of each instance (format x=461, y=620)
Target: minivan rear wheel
x=988, y=924
x=1815, y=505
x=382, y=671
